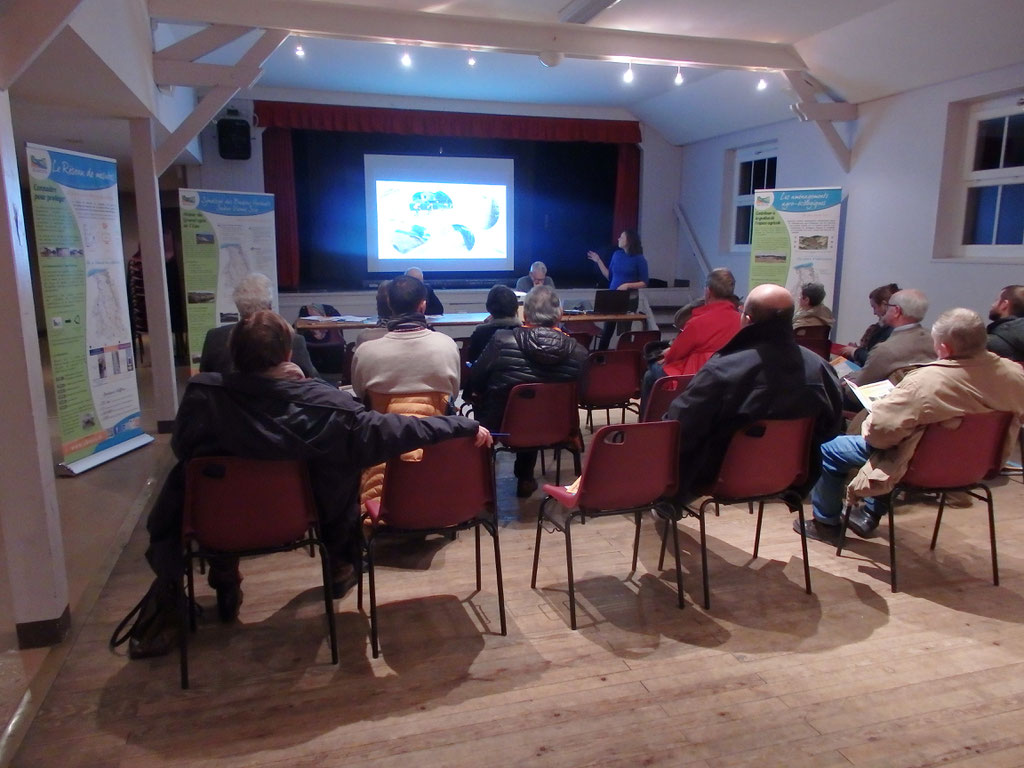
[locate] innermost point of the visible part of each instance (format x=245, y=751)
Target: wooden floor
x=851, y=675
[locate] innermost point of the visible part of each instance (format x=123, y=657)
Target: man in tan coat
x=964, y=379
x=908, y=344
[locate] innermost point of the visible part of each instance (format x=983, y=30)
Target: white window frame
x=736, y=200
x=1000, y=107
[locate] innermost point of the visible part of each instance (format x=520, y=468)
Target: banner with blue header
x=795, y=238
x=82, y=277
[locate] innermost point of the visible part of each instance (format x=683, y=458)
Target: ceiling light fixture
x=406, y=59
x=582, y=11
x=627, y=76
x=550, y=58
x=300, y=51
x=471, y=60
x=679, y=76
x=762, y=84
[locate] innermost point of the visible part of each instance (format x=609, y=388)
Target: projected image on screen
x=439, y=212
x=440, y=220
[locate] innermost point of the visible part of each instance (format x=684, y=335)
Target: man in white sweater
x=409, y=358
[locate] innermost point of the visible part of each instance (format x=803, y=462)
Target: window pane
x=1014, y=142
x=769, y=174
x=990, y=144
x=981, y=213
x=744, y=219
x=759, y=166
x=745, y=187
x=1010, y=230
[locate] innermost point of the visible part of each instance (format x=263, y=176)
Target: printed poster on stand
x=225, y=236
x=795, y=238
x=85, y=302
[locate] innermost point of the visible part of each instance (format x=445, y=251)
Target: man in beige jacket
x=964, y=379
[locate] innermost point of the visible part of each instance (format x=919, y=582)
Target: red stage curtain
x=280, y=118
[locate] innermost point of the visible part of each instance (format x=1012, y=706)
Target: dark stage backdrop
x=564, y=205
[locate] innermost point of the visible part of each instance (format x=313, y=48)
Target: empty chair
x=766, y=461
x=629, y=469
x=637, y=339
x=819, y=346
x=665, y=390
x=542, y=415
x=609, y=380
x=956, y=458
x=450, y=489
x=241, y=507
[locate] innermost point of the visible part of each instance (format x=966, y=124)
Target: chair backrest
x=962, y=455
x=609, y=377
x=665, y=390
x=630, y=465
x=235, y=504
x=820, y=347
x=765, y=458
x=583, y=338
x=812, y=332
x=637, y=339
x=452, y=484
x=542, y=413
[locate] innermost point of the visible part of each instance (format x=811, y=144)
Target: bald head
x=766, y=302
x=415, y=272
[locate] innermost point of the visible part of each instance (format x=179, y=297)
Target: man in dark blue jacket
x=760, y=374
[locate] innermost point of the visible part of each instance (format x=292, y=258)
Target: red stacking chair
x=813, y=332
x=543, y=415
x=765, y=461
x=665, y=390
x=951, y=459
x=583, y=338
x=450, y=489
x=242, y=507
x=637, y=339
x=820, y=347
x=629, y=469
x=609, y=380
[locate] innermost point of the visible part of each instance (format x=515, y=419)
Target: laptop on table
x=608, y=302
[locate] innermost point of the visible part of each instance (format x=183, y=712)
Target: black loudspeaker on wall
x=233, y=140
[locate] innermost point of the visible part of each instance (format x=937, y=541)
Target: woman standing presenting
x=627, y=270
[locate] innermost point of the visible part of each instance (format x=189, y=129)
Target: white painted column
x=151, y=242
x=28, y=495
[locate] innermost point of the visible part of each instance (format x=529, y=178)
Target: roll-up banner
x=225, y=236
x=81, y=271
x=795, y=238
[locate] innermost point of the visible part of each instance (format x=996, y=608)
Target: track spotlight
x=471, y=61
x=627, y=76
x=679, y=76
x=762, y=84
x=406, y=59
x=300, y=51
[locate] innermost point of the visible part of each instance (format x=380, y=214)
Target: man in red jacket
x=709, y=328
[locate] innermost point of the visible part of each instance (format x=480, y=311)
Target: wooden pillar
x=28, y=496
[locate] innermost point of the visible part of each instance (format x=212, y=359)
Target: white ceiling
x=860, y=49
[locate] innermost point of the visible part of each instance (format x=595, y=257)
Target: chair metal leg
x=558, y=466
x=992, y=534
x=636, y=539
x=757, y=532
x=664, y=541
x=493, y=530
x=938, y=520
x=543, y=468
x=892, y=549
x=844, y=520
x=576, y=463
x=332, y=633
x=679, y=566
x=803, y=544
x=568, y=565
x=374, y=646
x=536, y=545
x=190, y=593
x=476, y=530
x=704, y=559
x=185, y=614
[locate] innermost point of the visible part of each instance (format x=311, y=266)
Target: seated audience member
x=409, y=358
x=709, y=328
x=434, y=305
x=812, y=312
x=383, y=316
x=964, y=379
x=1006, y=331
x=878, y=331
x=761, y=373
x=536, y=351
x=538, y=276
x=254, y=293
x=908, y=343
x=504, y=313
x=261, y=411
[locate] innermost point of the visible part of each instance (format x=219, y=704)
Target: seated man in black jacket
x=267, y=410
x=537, y=351
x=760, y=374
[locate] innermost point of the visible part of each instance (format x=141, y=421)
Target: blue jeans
x=838, y=457
x=654, y=373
